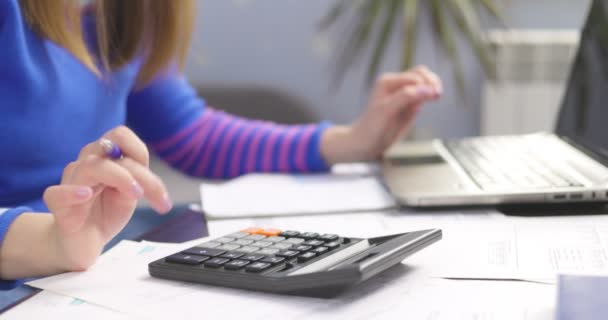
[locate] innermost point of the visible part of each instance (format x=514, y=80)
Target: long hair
x=157, y=30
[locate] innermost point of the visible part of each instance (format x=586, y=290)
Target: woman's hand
x=97, y=197
x=396, y=100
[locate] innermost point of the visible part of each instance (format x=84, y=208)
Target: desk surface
x=413, y=288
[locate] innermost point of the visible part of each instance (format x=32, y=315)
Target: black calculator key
x=273, y=260
x=288, y=253
x=253, y=257
x=320, y=250
x=232, y=255
x=302, y=248
x=205, y=251
x=328, y=237
x=186, y=259
x=314, y=243
x=235, y=264
x=258, y=266
x=332, y=245
x=289, y=234
x=309, y=235
x=306, y=256
x=216, y=262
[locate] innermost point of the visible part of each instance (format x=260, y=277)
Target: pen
x=110, y=149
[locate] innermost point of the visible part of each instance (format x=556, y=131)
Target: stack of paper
x=278, y=194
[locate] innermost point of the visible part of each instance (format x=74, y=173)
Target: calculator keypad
x=256, y=250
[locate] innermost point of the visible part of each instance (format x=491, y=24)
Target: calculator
x=290, y=262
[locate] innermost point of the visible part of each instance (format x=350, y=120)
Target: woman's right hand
x=97, y=197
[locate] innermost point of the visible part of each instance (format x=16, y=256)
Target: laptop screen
x=583, y=117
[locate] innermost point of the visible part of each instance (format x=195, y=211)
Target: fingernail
x=438, y=92
x=83, y=192
x=426, y=91
x=138, y=191
x=168, y=204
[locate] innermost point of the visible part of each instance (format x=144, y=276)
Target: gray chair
x=260, y=103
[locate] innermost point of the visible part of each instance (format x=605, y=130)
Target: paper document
x=49, y=305
x=278, y=194
x=535, y=249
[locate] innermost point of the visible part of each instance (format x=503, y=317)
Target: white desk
x=409, y=291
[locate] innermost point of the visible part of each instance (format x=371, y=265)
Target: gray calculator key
x=294, y=240
x=243, y=242
x=262, y=244
x=224, y=239
x=275, y=239
x=248, y=249
x=255, y=237
x=237, y=235
x=228, y=246
x=281, y=246
x=209, y=244
x=269, y=251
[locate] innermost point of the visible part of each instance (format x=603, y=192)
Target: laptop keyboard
x=500, y=163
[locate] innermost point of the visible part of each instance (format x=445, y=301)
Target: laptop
x=567, y=165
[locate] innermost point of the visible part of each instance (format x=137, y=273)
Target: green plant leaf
x=358, y=39
x=410, y=24
x=492, y=8
x=467, y=20
x=334, y=14
x=380, y=15
x=448, y=42
x=392, y=11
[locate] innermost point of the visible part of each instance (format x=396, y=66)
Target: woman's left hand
x=396, y=100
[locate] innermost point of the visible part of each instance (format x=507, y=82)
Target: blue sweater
x=51, y=105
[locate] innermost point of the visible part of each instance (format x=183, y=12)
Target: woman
x=69, y=76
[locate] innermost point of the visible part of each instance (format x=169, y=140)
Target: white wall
x=274, y=43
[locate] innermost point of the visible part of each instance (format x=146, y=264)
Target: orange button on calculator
x=252, y=230
x=269, y=232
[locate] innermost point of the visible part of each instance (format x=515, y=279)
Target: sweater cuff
x=314, y=159
x=6, y=219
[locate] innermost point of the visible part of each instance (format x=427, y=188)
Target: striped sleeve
x=7, y=216
x=180, y=127
x=218, y=145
